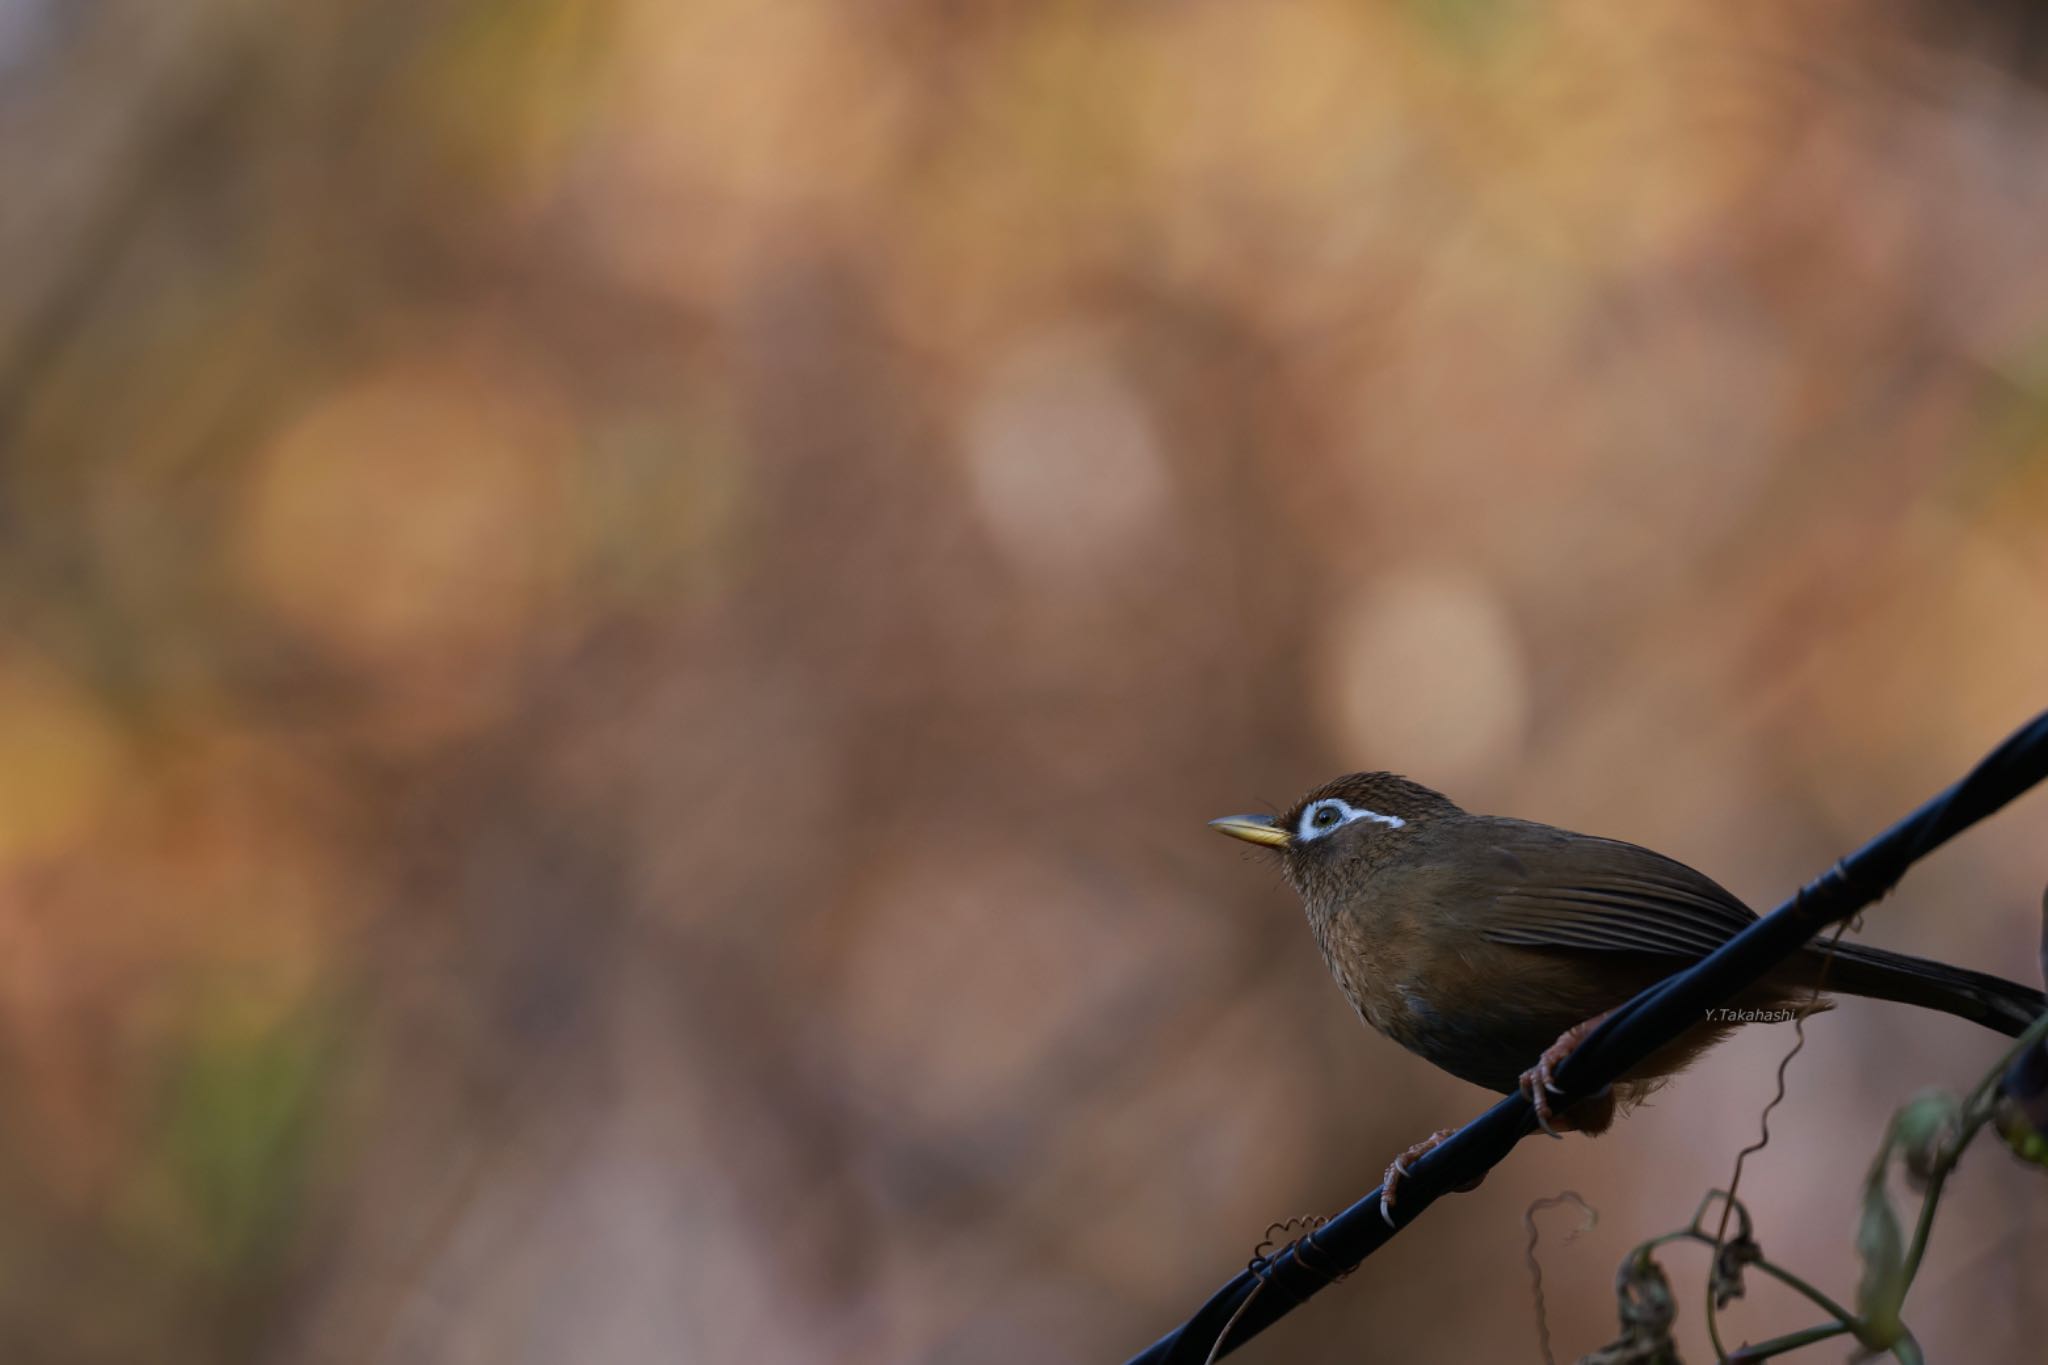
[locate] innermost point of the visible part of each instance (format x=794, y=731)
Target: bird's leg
x=1594, y=1112
x=1390, y=1183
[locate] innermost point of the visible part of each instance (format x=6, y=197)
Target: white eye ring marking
x=1346, y=814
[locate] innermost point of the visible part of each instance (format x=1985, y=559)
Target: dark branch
x=1630, y=1034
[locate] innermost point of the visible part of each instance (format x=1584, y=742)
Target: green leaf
x=1923, y=1128
x=2016, y=1127
x=1882, y=1293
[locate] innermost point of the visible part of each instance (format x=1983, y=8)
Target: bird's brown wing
x=1552, y=889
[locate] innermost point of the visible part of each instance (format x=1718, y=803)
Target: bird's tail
x=1979, y=997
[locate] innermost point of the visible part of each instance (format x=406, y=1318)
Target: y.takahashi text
x=1728, y=1016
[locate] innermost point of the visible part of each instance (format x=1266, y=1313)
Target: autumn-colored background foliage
x=618, y=620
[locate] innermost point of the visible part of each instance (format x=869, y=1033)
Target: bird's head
x=1344, y=827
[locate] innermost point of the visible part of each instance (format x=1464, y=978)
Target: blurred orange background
x=620, y=620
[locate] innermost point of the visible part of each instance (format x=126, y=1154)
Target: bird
x=1491, y=946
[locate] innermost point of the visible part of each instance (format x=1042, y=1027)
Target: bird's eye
x=1324, y=817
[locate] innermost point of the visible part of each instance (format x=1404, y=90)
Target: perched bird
x=1491, y=946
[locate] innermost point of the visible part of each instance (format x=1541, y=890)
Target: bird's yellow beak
x=1253, y=829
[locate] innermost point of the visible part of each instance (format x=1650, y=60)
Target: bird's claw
x=1539, y=1082
x=1536, y=1087
x=1397, y=1171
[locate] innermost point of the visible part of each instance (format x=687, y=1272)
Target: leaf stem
x=1791, y=1341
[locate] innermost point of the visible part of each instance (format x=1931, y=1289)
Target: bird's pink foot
x=1539, y=1084
x=1390, y=1183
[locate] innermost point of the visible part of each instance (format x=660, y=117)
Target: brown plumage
x=1478, y=941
